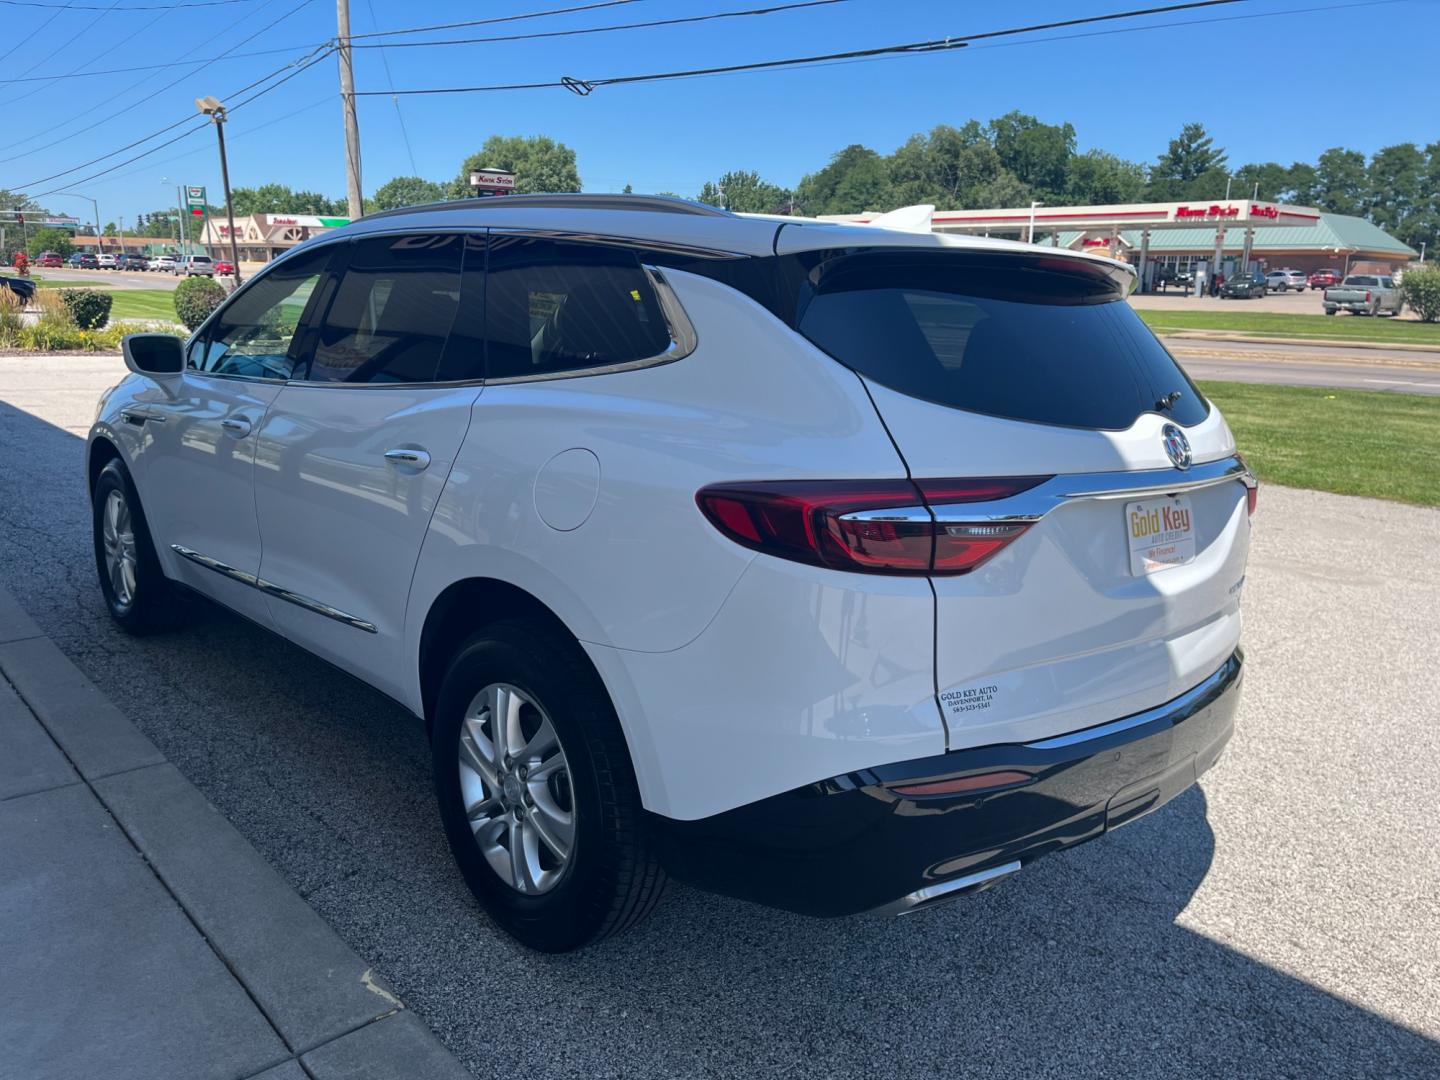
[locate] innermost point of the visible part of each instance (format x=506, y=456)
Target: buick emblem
x=1177, y=447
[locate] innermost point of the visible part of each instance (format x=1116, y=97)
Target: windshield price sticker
x=1162, y=534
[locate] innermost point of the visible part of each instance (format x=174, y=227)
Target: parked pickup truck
x=1364, y=294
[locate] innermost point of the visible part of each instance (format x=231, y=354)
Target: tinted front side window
x=256, y=334
x=1021, y=337
x=552, y=307
x=393, y=307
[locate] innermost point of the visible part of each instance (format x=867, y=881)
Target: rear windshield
x=1362, y=280
x=1037, y=338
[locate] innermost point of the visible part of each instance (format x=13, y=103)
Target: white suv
x=825, y=566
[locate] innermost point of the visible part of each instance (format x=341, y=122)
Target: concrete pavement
x=1310, y=364
x=142, y=936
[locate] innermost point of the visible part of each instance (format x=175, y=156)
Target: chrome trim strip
x=269, y=588
x=913, y=515
x=976, y=882
x=1175, y=709
x=1034, y=504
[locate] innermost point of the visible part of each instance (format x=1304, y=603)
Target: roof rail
x=663, y=204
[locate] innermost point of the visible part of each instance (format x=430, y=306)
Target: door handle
x=406, y=455
x=236, y=425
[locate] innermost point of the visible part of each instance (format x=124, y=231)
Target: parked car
x=224, y=268
x=1285, y=280
x=22, y=288
x=132, y=262
x=827, y=566
x=1364, y=294
x=84, y=260
x=1323, y=279
x=107, y=261
x=50, y=259
x=161, y=262
x=193, y=265
x=1244, y=285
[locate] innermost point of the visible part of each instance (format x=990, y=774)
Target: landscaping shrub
x=1421, y=290
x=196, y=298
x=10, y=321
x=89, y=308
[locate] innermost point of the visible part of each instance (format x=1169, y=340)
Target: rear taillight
x=883, y=527
x=1252, y=488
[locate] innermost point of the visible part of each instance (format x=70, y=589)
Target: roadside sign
x=195, y=196
x=492, y=182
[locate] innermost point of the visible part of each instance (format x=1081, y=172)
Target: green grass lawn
x=143, y=304
x=1315, y=327
x=1355, y=442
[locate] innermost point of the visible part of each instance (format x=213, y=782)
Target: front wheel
x=536, y=790
x=139, y=597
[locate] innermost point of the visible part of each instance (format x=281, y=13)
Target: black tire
x=612, y=878
x=154, y=603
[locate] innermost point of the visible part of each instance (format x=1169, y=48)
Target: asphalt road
x=1398, y=371
x=1278, y=921
x=115, y=279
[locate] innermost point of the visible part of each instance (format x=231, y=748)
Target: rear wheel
x=536, y=791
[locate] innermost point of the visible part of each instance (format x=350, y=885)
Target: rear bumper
x=853, y=843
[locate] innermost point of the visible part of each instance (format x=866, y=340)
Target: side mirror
x=153, y=354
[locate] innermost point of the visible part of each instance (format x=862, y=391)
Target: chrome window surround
x=683, y=339
x=1030, y=506
x=269, y=588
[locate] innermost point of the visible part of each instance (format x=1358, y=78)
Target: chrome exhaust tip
x=949, y=890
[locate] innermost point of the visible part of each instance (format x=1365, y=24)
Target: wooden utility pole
x=347, y=104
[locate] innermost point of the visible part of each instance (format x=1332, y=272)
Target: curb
x=335, y=1018
x=1324, y=343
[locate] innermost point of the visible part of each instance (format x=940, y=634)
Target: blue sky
x=1124, y=92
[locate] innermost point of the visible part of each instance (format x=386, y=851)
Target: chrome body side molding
x=269, y=588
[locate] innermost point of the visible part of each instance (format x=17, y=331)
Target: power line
x=498, y=19
x=302, y=64
x=193, y=65
x=183, y=135
x=606, y=29
x=22, y=38
x=584, y=87
x=138, y=7
x=66, y=44
x=390, y=82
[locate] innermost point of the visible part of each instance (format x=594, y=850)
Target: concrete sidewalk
x=140, y=935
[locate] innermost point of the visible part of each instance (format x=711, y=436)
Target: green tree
x=1036, y=153
x=407, y=191
x=540, y=164
x=1097, y=177
x=857, y=179
x=744, y=192
x=1395, y=177
x=1341, y=183
x=58, y=240
x=949, y=167
x=1191, y=167
x=281, y=199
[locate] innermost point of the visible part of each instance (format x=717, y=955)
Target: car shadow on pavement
x=1091, y=963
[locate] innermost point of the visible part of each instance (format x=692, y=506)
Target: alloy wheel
x=515, y=782
x=118, y=536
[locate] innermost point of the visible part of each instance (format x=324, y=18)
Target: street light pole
x=212, y=108
x=99, y=244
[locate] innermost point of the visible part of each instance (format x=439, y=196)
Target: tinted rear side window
x=553, y=307
x=1021, y=337
x=392, y=311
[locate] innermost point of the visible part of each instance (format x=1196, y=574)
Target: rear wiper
x=1168, y=400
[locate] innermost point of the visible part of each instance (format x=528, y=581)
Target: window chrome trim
x=269, y=588
x=630, y=243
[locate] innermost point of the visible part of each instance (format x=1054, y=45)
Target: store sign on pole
x=195, y=196
x=492, y=182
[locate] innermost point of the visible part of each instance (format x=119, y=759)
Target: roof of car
x=663, y=220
